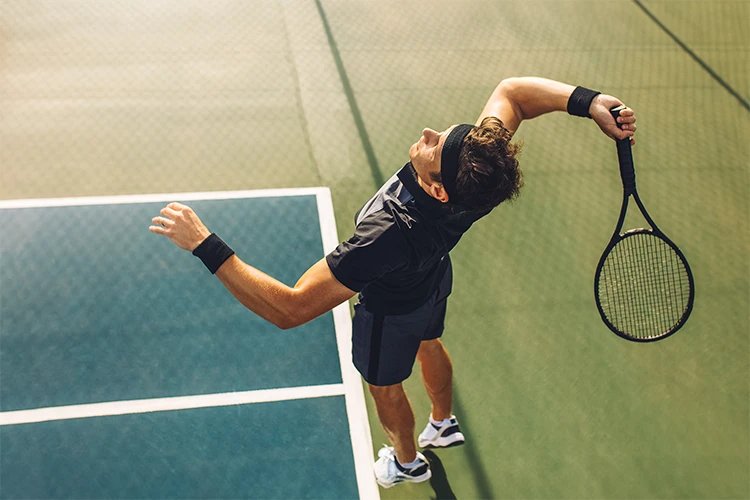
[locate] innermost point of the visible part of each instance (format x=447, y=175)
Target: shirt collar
x=408, y=176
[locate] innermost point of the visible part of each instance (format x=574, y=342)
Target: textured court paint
x=377, y=175
x=202, y=105
x=716, y=31
x=556, y=407
x=741, y=100
x=265, y=450
x=101, y=316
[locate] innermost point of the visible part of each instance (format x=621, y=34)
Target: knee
x=429, y=348
x=386, y=392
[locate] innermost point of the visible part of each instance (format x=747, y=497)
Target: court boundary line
x=356, y=409
x=350, y=388
x=695, y=57
x=132, y=407
x=157, y=197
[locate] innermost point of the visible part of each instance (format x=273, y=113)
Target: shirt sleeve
x=376, y=249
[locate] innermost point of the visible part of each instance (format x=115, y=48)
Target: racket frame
x=627, y=173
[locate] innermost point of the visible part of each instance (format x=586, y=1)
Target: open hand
x=181, y=225
x=599, y=111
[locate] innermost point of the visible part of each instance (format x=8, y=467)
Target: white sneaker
x=389, y=472
x=444, y=436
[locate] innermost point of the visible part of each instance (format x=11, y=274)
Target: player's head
x=473, y=167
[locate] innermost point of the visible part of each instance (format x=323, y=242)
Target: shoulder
x=376, y=248
x=384, y=230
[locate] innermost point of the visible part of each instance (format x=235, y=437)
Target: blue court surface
x=128, y=371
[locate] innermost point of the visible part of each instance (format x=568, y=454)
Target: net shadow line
x=695, y=57
x=372, y=161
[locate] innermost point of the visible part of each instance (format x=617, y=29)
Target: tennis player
x=398, y=258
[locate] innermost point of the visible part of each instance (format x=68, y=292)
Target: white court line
x=359, y=425
x=159, y=197
x=168, y=404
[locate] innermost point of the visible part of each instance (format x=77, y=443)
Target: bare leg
x=437, y=374
x=397, y=418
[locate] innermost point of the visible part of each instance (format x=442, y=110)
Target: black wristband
x=580, y=101
x=213, y=252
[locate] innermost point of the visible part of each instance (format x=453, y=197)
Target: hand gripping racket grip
x=625, y=155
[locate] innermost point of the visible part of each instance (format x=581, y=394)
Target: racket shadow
x=439, y=479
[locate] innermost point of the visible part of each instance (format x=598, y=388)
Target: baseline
x=151, y=198
x=167, y=404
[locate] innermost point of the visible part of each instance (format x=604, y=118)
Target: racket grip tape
x=625, y=156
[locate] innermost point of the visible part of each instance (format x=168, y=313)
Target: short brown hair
x=488, y=172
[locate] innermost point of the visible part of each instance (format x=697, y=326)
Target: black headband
x=449, y=158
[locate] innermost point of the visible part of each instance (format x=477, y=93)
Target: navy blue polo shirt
x=399, y=251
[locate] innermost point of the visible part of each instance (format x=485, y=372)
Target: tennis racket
x=643, y=285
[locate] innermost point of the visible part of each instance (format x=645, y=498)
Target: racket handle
x=625, y=155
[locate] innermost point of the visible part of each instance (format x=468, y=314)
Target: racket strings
x=644, y=286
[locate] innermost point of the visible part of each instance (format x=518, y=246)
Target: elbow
x=285, y=325
x=284, y=311
x=510, y=90
x=292, y=316
x=286, y=321
x=297, y=311
x=294, y=319
x=507, y=86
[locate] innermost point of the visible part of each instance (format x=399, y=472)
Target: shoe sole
x=434, y=446
x=421, y=479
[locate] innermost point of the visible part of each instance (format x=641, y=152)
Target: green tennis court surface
x=101, y=97
x=122, y=318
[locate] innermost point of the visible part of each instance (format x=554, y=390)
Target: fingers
x=623, y=127
x=618, y=133
x=626, y=125
x=181, y=225
x=626, y=133
x=627, y=112
x=169, y=212
x=163, y=221
x=627, y=120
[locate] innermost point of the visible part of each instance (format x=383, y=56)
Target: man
x=398, y=259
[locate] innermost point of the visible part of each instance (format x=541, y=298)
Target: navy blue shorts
x=384, y=347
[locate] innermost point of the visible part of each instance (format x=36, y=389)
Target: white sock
x=439, y=423
x=411, y=464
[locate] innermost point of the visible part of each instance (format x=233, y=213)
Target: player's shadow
x=439, y=480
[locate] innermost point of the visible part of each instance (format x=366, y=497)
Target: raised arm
x=524, y=98
x=316, y=292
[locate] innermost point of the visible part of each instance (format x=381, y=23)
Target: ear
x=438, y=192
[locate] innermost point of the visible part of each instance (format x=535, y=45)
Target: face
x=425, y=154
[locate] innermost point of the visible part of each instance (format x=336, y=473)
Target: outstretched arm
x=316, y=292
x=524, y=98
